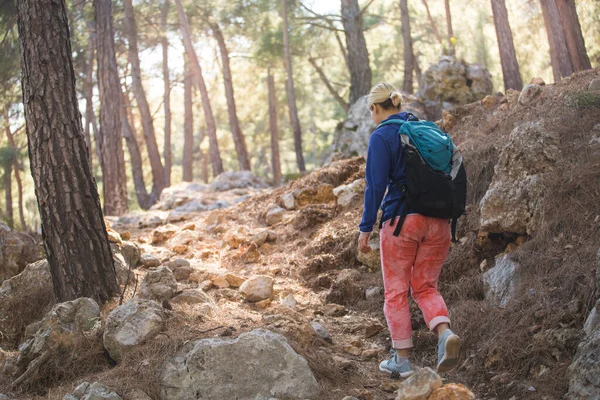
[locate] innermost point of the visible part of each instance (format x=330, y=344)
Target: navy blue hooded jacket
x=385, y=164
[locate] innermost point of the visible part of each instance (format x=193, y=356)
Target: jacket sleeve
x=377, y=176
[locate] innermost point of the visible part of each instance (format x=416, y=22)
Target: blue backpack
x=436, y=184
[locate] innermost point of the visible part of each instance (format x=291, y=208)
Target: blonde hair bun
x=382, y=92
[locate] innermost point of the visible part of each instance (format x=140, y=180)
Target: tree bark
x=559, y=53
x=236, y=131
x=215, y=154
x=508, y=56
x=573, y=35
x=167, y=96
x=409, y=58
x=188, y=123
x=291, y=95
x=111, y=146
x=7, y=183
x=158, y=173
x=331, y=89
x=75, y=238
x=451, y=49
x=17, y=168
x=275, y=161
x=432, y=23
x=358, y=56
x=137, y=170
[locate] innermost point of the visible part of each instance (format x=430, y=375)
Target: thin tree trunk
x=417, y=68
x=451, y=49
x=7, y=183
x=188, y=123
x=75, y=238
x=158, y=173
x=508, y=56
x=215, y=154
x=167, y=96
x=574, y=37
x=291, y=95
x=432, y=23
x=111, y=145
x=358, y=56
x=137, y=170
x=275, y=161
x=236, y=131
x=559, y=53
x=407, y=83
x=17, y=169
x=331, y=89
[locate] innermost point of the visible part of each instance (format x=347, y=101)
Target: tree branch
x=323, y=77
x=365, y=8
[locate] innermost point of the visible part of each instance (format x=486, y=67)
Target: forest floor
x=311, y=254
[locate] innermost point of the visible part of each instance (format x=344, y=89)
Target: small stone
x=489, y=102
x=538, y=81
x=220, y=281
x=257, y=288
x=158, y=284
x=177, y=263
x=594, y=85
x=274, y=270
x=183, y=273
x=452, y=391
x=289, y=301
x=372, y=330
x=371, y=259
x=260, y=238
x=333, y=310
x=114, y=236
x=420, y=385
x=529, y=94
x=274, y=216
x=205, y=285
x=198, y=276
x=235, y=281
x=355, y=351
x=389, y=385
x=374, y=293
x=369, y=354
x=288, y=201
x=163, y=233
x=251, y=254
x=189, y=227
x=321, y=332
x=448, y=120
x=180, y=248
x=192, y=296
x=125, y=235
x=149, y=261
x=263, y=304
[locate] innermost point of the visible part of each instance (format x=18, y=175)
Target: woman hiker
x=414, y=258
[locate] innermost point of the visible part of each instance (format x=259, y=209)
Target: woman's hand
x=363, y=242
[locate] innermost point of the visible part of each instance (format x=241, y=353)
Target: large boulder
x=25, y=298
x=235, y=180
x=132, y=324
x=92, y=391
x=17, y=250
x=514, y=199
x=257, y=365
x=455, y=82
x=501, y=281
x=159, y=284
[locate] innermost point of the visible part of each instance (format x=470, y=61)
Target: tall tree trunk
x=158, y=173
x=111, y=146
x=7, y=183
x=358, y=56
x=432, y=23
x=328, y=85
x=508, y=56
x=215, y=154
x=75, y=238
x=275, y=162
x=451, y=49
x=409, y=58
x=167, y=96
x=236, y=131
x=188, y=123
x=17, y=168
x=559, y=53
x=417, y=69
x=291, y=94
x=574, y=37
x=137, y=170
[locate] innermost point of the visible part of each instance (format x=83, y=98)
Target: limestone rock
x=320, y=195
x=220, y=281
x=132, y=324
x=371, y=259
x=452, y=391
x=257, y=288
x=538, y=81
x=346, y=193
x=122, y=268
x=288, y=201
x=235, y=281
x=584, y=371
x=131, y=253
x=529, y=94
x=321, y=332
x=237, y=179
x=420, y=385
x=183, y=273
x=159, y=284
x=289, y=301
x=93, y=391
x=274, y=216
x=149, y=261
x=173, y=265
x=514, y=198
x=192, y=296
x=594, y=85
x=163, y=233
x=501, y=281
x=212, y=369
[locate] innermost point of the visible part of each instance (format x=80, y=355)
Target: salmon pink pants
x=413, y=260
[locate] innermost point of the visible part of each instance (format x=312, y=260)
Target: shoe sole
x=396, y=375
x=451, y=355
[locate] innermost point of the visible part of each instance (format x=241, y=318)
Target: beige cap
x=382, y=92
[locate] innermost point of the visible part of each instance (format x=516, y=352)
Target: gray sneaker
x=396, y=366
x=448, y=351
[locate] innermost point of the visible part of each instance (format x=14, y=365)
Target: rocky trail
x=236, y=290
